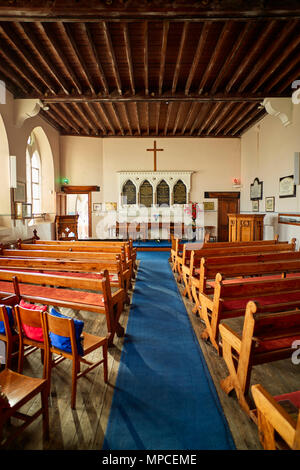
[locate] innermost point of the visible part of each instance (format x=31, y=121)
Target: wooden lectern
x=246, y=227
x=66, y=227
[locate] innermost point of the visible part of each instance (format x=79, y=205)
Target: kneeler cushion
x=33, y=332
x=264, y=300
x=64, y=342
x=10, y=320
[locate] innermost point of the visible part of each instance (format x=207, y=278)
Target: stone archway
x=5, y=193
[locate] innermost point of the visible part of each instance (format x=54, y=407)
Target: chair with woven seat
x=30, y=330
x=278, y=419
x=7, y=333
x=64, y=337
x=17, y=390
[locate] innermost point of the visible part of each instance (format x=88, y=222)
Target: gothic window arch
x=179, y=193
x=146, y=194
x=33, y=175
x=129, y=193
x=163, y=193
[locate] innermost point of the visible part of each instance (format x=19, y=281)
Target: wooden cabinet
x=246, y=227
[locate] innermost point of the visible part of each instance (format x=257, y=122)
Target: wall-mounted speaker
x=13, y=171
x=297, y=168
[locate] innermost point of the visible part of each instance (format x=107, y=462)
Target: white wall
x=267, y=153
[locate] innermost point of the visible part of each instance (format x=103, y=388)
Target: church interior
x=149, y=214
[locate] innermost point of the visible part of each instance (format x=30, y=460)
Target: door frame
x=223, y=195
x=83, y=190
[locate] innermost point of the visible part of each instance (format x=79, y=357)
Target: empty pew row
x=128, y=245
x=128, y=263
x=230, y=300
x=178, y=247
x=266, y=337
x=119, y=272
x=90, y=269
x=77, y=293
x=192, y=258
x=256, y=264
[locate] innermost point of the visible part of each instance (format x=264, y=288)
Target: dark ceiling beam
x=280, y=59
x=248, y=108
x=228, y=62
x=270, y=52
x=179, y=56
x=237, y=107
x=86, y=118
x=157, y=116
x=210, y=116
x=73, y=44
x=200, y=116
x=164, y=42
x=169, y=110
x=178, y=117
x=255, y=50
x=137, y=118
x=91, y=111
x=96, y=56
x=44, y=56
x=32, y=65
x=147, y=118
x=250, y=117
x=250, y=123
x=188, y=117
x=9, y=76
x=129, y=56
x=112, y=56
x=117, y=118
x=51, y=37
x=134, y=10
x=53, y=122
x=166, y=97
x=65, y=125
x=216, y=53
x=65, y=115
x=199, y=51
x=78, y=118
x=107, y=117
x=127, y=118
x=227, y=108
x=145, y=57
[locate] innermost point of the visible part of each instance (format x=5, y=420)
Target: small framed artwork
x=209, y=206
x=110, y=206
x=18, y=210
x=27, y=211
x=20, y=192
x=97, y=207
x=256, y=190
x=287, y=188
x=255, y=206
x=270, y=204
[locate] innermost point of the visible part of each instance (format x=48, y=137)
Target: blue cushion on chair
x=10, y=320
x=64, y=342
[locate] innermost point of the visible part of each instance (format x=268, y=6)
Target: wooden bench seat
x=73, y=292
x=230, y=300
x=266, y=337
x=200, y=280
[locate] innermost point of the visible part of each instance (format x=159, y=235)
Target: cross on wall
x=154, y=150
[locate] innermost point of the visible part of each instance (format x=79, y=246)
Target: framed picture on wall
x=97, y=207
x=270, y=204
x=20, y=192
x=255, y=206
x=256, y=190
x=26, y=211
x=287, y=188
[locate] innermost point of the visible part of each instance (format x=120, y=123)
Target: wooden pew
x=128, y=245
x=128, y=263
x=277, y=428
x=230, y=300
x=197, y=280
x=265, y=338
x=179, y=249
x=191, y=259
x=77, y=293
x=124, y=274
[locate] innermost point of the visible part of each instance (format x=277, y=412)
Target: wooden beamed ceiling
x=181, y=77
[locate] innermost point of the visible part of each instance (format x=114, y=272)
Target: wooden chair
x=19, y=389
x=9, y=337
x=277, y=428
x=31, y=321
x=65, y=327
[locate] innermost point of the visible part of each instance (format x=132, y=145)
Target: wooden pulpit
x=66, y=227
x=246, y=227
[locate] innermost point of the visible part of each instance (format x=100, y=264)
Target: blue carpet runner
x=164, y=397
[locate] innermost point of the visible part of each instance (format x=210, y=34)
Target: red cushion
x=275, y=344
x=267, y=300
x=294, y=397
x=249, y=279
x=33, y=332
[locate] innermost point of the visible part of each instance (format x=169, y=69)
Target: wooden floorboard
x=84, y=428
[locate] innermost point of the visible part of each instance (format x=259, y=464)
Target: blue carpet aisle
x=164, y=397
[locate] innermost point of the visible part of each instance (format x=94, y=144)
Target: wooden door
x=228, y=203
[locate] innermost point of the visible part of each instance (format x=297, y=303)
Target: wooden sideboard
x=66, y=227
x=246, y=227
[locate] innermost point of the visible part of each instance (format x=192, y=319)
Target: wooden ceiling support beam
x=179, y=56
x=112, y=56
x=95, y=53
x=199, y=51
x=129, y=56
x=164, y=43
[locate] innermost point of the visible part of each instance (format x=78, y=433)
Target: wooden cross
x=155, y=150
